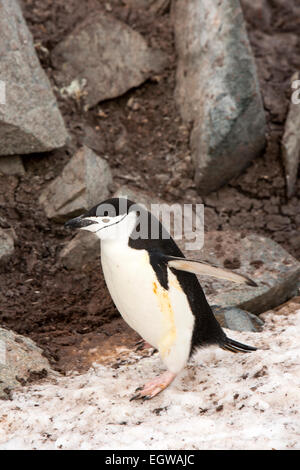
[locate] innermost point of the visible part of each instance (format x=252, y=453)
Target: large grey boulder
x=237, y=319
x=83, y=183
x=217, y=90
x=106, y=57
x=30, y=120
x=274, y=270
x=21, y=362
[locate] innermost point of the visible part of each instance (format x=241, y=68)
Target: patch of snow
x=75, y=89
x=220, y=401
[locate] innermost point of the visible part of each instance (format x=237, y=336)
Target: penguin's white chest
x=161, y=316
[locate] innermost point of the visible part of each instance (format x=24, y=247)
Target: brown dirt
x=70, y=315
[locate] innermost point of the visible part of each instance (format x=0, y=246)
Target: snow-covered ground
x=220, y=401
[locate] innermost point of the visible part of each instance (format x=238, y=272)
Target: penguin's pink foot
x=154, y=387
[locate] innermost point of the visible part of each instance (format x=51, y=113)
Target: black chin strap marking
x=115, y=223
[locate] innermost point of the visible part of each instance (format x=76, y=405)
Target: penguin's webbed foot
x=154, y=387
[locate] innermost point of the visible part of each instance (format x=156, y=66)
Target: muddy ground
x=70, y=314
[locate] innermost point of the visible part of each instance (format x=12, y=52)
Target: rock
x=217, y=89
x=274, y=270
x=275, y=223
x=291, y=145
x=81, y=251
x=30, y=120
x=7, y=247
x=83, y=183
x=108, y=55
x=21, y=362
x=237, y=319
x=93, y=140
x=11, y=165
x=289, y=308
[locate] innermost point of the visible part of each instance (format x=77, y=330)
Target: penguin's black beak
x=78, y=222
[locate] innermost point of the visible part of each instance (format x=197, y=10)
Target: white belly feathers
x=162, y=317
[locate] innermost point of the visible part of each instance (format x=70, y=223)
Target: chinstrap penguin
x=155, y=287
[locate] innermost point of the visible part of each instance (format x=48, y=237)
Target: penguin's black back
x=206, y=328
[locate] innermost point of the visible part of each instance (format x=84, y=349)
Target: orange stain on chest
x=168, y=317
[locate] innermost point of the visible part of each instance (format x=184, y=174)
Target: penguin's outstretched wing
x=205, y=269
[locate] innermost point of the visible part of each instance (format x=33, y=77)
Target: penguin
x=155, y=287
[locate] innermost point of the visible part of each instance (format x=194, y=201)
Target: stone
x=237, y=319
x=30, y=120
x=83, y=183
x=274, y=270
x=7, y=246
x=21, y=362
x=217, y=90
x=93, y=140
x=291, y=144
x=11, y=165
x=107, y=56
x=81, y=251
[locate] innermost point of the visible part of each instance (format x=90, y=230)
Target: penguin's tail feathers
x=234, y=346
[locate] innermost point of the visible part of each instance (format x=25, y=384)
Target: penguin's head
x=114, y=218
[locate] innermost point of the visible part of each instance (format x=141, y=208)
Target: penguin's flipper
x=206, y=269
